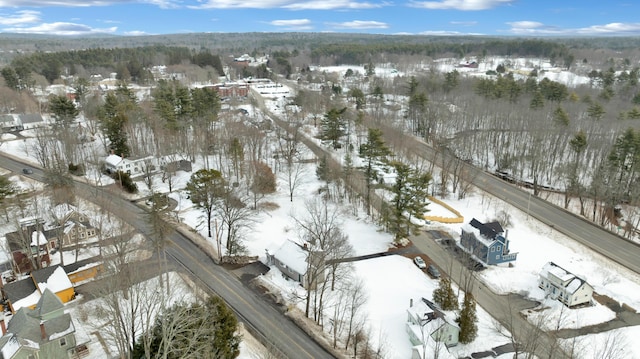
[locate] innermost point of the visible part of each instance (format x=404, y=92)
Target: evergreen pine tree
x=332, y=127
x=444, y=295
x=468, y=320
x=372, y=152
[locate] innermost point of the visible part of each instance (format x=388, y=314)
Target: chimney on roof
x=43, y=332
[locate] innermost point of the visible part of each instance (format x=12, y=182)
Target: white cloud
x=614, y=28
x=60, y=28
x=334, y=4
x=538, y=28
x=360, y=25
x=466, y=5
x=290, y=4
x=20, y=17
x=293, y=24
x=166, y=4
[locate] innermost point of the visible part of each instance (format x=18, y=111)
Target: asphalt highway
x=264, y=318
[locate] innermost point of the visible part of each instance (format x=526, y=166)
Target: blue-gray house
x=486, y=242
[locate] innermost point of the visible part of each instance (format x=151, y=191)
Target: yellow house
x=84, y=270
x=27, y=292
x=56, y=280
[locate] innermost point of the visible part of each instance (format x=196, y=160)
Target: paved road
x=251, y=308
x=581, y=230
x=504, y=308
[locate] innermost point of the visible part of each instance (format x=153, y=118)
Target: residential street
x=504, y=308
x=259, y=315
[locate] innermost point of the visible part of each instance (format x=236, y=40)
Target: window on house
x=63, y=342
x=493, y=249
x=498, y=248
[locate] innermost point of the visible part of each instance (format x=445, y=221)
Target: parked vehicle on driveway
x=420, y=262
x=433, y=271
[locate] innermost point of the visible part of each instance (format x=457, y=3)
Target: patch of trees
x=207, y=330
x=358, y=53
x=125, y=181
x=129, y=63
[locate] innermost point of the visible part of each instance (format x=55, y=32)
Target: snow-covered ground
x=389, y=297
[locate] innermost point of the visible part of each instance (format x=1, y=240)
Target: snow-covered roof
x=482, y=239
x=57, y=281
x=113, y=160
x=38, y=239
x=28, y=301
x=293, y=256
x=62, y=210
x=557, y=271
x=573, y=282
x=574, y=285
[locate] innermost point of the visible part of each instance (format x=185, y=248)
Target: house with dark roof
x=31, y=120
x=42, y=332
x=30, y=244
x=486, y=241
x=27, y=292
x=568, y=288
x=73, y=226
x=35, y=240
x=10, y=122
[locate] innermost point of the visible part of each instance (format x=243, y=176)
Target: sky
x=415, y=17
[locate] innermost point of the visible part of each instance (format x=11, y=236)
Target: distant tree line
x=134, y=62
x=357, y=53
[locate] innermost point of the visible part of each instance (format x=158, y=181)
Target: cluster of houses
x=488, y=243
x=32, y=245
x=427, y=325
x=19, y=122
x=38, y=326
x=33, y=321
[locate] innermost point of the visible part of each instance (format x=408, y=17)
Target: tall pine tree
x=332, y=127
x=410, y=200
x=444, y=295
x=373, y=152
x=468, y=320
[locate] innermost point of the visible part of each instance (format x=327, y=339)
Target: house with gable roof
x=42, y=332
x=73, y=225
x=568, y=288
x=27, y=292
x=426, y=321
x=292, y=260
x=487, y=241
x=29, y=244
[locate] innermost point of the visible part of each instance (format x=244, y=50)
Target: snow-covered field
x=389, y=297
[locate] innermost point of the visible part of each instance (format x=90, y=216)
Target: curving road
x=269, y=323
x=616, y=248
